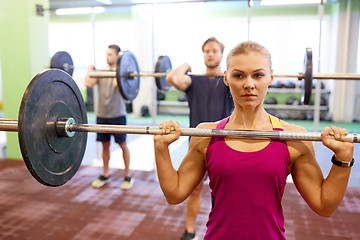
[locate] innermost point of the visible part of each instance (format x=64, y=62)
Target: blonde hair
x=246, y=48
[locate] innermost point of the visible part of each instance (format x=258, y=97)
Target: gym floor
x=29, y=210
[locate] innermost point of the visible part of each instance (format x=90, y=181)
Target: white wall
x=0, y=81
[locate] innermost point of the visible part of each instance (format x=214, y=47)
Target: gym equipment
x=144, y=111
x=62, y=60
x=127, y=74
x=160, y=95
x=323, y=101
x=163, y=65
x=52, y=127
x=182, y=98
x=292, y=101
x=290, y=84
x=127, y=71
x=271, y=100
x=308, y=77
x=50, y=96
x=277, y=84
x=128, y=85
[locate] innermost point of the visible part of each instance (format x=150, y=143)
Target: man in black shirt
x=209, y=100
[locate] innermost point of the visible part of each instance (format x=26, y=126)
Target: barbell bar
x=300, y=76
x=112, y=74
x=52, y=128
x=335, y=76
x=68, y=127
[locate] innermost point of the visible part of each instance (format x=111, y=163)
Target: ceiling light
x=159, y=1
x=84, y=10
x=289, y=2
x=107, y=2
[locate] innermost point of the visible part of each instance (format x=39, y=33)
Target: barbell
x=127, y=73
x=62, y=60
x=308, y=77
x=52, y=128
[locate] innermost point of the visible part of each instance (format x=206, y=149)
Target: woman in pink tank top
x=248, y=176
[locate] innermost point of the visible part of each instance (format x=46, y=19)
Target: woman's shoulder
x=292, y=127
x=207, y=125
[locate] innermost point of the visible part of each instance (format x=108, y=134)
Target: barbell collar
x=62, y=125
x=206, y=132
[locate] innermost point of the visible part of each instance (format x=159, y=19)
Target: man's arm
x=178, y=77
x=90, y=82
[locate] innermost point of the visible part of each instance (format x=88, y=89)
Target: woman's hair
x=246, y=48
x=213, y=39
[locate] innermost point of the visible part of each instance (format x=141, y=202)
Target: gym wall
x=23, y=52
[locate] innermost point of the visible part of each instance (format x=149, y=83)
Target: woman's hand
x=166, y=138
x=343, y=150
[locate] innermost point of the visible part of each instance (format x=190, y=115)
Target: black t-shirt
x=209, y=100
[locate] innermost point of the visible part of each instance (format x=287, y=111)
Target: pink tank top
x=247, y=189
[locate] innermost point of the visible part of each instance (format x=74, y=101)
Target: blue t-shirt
x=209, y=99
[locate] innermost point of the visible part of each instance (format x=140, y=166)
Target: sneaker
x=98, y=183
x=127, y=183
x=188, y=236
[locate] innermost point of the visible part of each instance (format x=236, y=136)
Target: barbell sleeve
x=143, y=74
x=323, y=76
x=337, y=76
x=102, y=74
x=9, y=125
x=298, y=76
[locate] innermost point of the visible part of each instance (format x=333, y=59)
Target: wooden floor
x=29, y=210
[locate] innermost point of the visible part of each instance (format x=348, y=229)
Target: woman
x=248, y=176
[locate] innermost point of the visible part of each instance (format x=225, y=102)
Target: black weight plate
x=128, y=86
x=62, y=60
x=308, y=77
x=163, y=65
x=51, y=159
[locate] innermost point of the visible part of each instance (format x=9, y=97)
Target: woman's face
x=248, y=76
